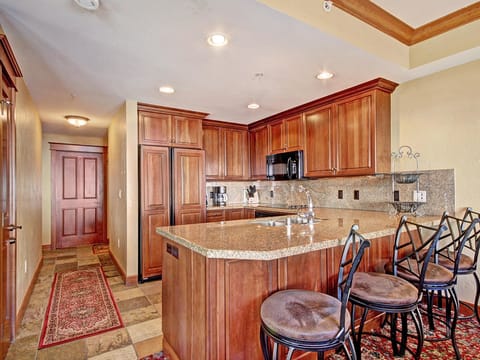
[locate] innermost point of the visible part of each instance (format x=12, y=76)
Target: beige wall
x=439, y=116
x=123, y=188
x=46, y=174
x=28, y=190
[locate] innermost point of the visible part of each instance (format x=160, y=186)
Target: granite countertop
x=250, y=240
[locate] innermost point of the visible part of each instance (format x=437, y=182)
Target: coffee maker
x=219, y=195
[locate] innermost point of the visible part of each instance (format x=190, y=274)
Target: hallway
x=140, y=308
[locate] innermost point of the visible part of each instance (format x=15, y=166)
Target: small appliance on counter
x=252, y=194
x=219, y=195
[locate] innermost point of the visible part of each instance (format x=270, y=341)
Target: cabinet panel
x=187, y=132
x=154, y=128
x=236, y=154
x=215, y=215
x=355, y=138
x=293, y=133
x=258, y=152
x=249, y=213
x=213, y=145
x=234, y=214
x=155, y=167
x=319, y=142
x=151, y=256
x=276, y=137
x=189, y=185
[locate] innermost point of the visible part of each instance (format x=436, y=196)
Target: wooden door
x=155, y=206
x=186, y=132
x=355, y=136
x=189, y=186
x=236, y=154
x=293, y=133
x=213, y=146
x=9, y=226
x=258, y=152
x=319, y=142
x=78, y=197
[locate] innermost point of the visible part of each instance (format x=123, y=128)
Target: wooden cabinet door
x=258, y=152
x=189, y=186
x=155, y=206
x=355, y=136
x=293, y=133
x=319, y=155
x=154, y=128
x=234, y=214
x=186, y=132
x=249, y=213
x=213, y=146
x=215, y=215
x=276, y=137
x=236, y=154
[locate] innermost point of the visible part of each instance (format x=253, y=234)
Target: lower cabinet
x=230, y=214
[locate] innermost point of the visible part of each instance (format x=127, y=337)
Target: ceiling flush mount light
x=88, y=4
x=253, y=106
x=324, y=75
x=217, y=40
x=167, y=89
x=77, y=121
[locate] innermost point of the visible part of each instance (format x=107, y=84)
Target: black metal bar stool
x=309, y=320
x=393, y=295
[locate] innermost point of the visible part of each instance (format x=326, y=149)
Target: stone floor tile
x=108, y=341
x=23, y=349
x=115, y=280
x=133, y=303
x=66, y=267
x=155, y=298
x=149, y=346
x=125, y=353
x=145, y=330
x=140, y=315
x=158, y=307
x=154, y=287
x=74, y=350
x=127, y=294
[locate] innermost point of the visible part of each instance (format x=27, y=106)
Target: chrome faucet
x=310, y=214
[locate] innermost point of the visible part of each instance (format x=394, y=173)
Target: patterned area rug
x=467, y=336
x=81, y=304
x=100, y=249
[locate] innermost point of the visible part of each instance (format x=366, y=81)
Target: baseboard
x=28, y=294
x=47, y=247
x=130, y=280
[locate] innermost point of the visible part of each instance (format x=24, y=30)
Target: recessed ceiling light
x=253, y=106
x=324, y=75
x=77, y=120
x=217, y=40
x=88, y=4
x=167, y=89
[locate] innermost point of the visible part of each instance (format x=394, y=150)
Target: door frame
x=75, y=148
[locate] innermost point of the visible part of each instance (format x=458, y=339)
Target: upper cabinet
x=286, y=134
x=258, y=152
x=164, y=126
x=226, y=151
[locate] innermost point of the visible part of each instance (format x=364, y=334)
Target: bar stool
x=438, y=279
x=309, y=320
x=393, y=295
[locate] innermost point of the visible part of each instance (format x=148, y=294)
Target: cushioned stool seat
x=303, y=315
x=383, y=289
x=466, y=262
x=435, y=274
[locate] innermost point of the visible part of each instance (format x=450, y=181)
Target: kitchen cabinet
x=258, y=152
x=163, y=126
x=286, y=134
x=226, y=151
x=216, y=215
x=156, y=189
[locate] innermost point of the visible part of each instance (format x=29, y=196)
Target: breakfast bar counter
x=216, y=275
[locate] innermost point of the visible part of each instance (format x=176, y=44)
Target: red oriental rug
x=81, y=304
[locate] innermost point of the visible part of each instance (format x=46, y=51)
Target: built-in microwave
x=285, y=166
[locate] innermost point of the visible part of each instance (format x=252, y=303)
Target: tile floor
x=140, y=308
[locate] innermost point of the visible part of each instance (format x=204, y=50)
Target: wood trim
x=46, y=247
x=376, y=84
x=224, y=124
x=446, y=23
x=77, y=148
x=28, y=294
x=382, y=20
x=375, y=16
x=128, y=281
x=10, y=65
x=170, y=111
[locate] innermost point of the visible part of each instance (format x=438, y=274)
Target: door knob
x=11, y=241
x=12, y=227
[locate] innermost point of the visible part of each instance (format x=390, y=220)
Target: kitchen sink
x=286, y=221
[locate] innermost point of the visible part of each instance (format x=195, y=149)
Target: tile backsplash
x=374, y=192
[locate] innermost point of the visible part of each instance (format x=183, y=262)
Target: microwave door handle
x=289, y=170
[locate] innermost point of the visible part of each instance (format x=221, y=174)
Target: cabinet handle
x=12, y=227
x=11, y=241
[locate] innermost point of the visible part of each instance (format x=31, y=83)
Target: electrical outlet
x=356, y=194
x=396, y=195
x=340, y=194
x=420, y=196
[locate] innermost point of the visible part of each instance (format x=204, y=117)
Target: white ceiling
x=88, y=63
